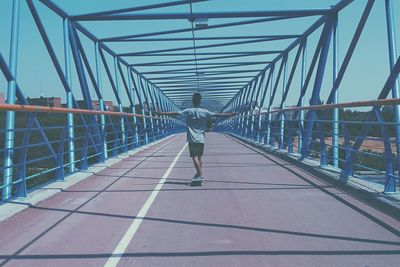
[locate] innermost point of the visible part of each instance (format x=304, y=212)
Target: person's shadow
x=178, y=183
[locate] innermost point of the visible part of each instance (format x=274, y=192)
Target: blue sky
x=364, y=79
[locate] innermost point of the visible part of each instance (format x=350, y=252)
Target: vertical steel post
x=392, y=59
x=165, y=100
x=254, y=119
x=136, y=134
x=282, y=115
x=335, y=117
x=151, y=88
x=248, y=107
x=149, y=99
x=233, y=108
x=315, y=96
x=259, y=117
x=155, y=108
x=303, y=75
x=243, y=108
x=70, y=116
x=262, y=104
x=158, y=107
x=10, y=115
x=162, y=108
x=250, y=118
x=248, y=113
x=120, y=108
x=170, y=122
x=238, y=109
x=146, y=136
x=268, y=130
x=101, y=100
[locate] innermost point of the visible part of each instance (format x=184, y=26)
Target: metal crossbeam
x=209, y=15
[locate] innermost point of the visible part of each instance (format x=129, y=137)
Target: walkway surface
x=253, y=210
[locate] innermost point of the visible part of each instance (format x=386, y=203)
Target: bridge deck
x=253, y=210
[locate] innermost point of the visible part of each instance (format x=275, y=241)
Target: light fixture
x=201, y=22
x=201, y=74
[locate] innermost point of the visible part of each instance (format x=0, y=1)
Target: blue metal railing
x=38, y=159
x=367, y=154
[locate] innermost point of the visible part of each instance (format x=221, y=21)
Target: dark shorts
x=196, y=149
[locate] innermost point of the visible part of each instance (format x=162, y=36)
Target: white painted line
x=127, y=238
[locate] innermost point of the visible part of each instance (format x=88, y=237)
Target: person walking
x=196, y=119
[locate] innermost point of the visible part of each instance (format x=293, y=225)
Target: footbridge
x=304, y=173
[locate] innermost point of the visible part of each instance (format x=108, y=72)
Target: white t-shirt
x=196, y=121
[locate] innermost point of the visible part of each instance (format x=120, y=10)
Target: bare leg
x=197, y=165
x=201, y=166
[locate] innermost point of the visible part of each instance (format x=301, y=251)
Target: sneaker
x=197, y=178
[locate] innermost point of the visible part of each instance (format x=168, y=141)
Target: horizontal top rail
x=42, y=109
x=358, y=104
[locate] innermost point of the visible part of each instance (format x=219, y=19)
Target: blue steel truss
x=230, y=77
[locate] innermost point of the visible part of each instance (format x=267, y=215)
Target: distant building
x=44, y=101
x=2, y=98
x=96, y=105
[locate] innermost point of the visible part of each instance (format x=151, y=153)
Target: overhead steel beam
x=202, y=85
x=220, y=86
x=208, y=15
x=224, y=92
x=197, y=47
x=223, y=25
x=210, y=73
x=190, y=77
x=212, y=58
x=194, y=89
x=185, y=84
x=202, y=89
x=175, y=39
x=204, y=99
x=207, y=53
x=188, y=96
x=208, y=89
x=203, y=93
x=132, y=9
x=193, y=78
x=244, y=63
x=193, y=69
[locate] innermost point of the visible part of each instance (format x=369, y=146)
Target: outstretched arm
x=170, y=113
x=229, y=114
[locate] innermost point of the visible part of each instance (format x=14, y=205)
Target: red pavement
x=253, y=210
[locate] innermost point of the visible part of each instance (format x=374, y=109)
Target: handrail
x=42, y=109
x=369, y=103
x=330, y=140
x=31, y=108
